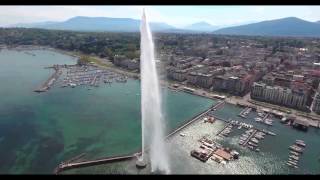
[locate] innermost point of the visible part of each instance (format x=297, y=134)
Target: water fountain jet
x=153, y=128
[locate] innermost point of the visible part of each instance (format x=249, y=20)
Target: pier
x=227, y=125
x=265, y=117
x=71, y=165
x=49, y=83
x=218, y=105
x=244, y=113
x=248, y=139
x=197, y=117
x=75, y=158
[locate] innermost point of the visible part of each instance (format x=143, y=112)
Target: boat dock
x=225, y=127
x=219, y=105
x=265, y=117
x=248, y=139
x=49, y=83
x=244, y=113
x=295, y=153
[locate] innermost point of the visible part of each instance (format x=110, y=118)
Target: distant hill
x=30, y=25
x=201, y=26
x=290, y=26
x=81, y=23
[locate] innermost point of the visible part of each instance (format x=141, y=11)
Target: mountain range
x=290, y=26
x=202, y=27
x=81, y=23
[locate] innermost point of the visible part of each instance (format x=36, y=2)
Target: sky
x=178, y=16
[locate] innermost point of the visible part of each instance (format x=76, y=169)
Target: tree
x=108, y=52
x=83, y=60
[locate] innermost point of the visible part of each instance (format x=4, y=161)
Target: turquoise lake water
x=38, y=131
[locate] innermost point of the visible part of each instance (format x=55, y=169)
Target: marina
x=264, y=118
x=245, y=112
x=76, y=75
x=295, y=153
x=90, y=76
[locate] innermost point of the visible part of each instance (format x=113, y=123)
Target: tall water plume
x=153, y=125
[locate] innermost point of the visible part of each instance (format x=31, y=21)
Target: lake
x=38, y=131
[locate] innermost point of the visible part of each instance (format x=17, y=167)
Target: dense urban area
x=282, y=71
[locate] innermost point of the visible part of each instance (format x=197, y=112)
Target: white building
x=280, y=95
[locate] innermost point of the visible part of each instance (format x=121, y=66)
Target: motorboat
x=296, y=148
x=300, y=143
x=257, y=119
x=294, y=153
x=261, y=114
x=254, y=140
x=294, y=157
x=291, y=165
x=253, y=144
x=292, y=162
x=268, y=123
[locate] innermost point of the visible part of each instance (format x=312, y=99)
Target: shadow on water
x=23, y=149
x=16, y=130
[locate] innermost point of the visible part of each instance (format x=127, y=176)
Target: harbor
x=258, y=138
x=90, y=76
x=76, y=75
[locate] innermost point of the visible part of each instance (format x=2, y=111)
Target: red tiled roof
x=300, y=85
x=246, y=77
x=315, y=73
x=223, y=154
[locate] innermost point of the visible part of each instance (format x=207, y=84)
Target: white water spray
x=152, y=120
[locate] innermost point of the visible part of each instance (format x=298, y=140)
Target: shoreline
x=192, y=123
x=313, y=119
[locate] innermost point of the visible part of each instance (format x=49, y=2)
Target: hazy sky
x=178, y=16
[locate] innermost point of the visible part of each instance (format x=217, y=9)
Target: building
x=203, y=80
x=296, y=97
x=223, y=154
x=177, y=74
x=316, y=104
x=232, y=84
x=316, y=101
x=124, y=62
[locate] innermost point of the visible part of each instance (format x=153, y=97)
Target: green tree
x=83, y=60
